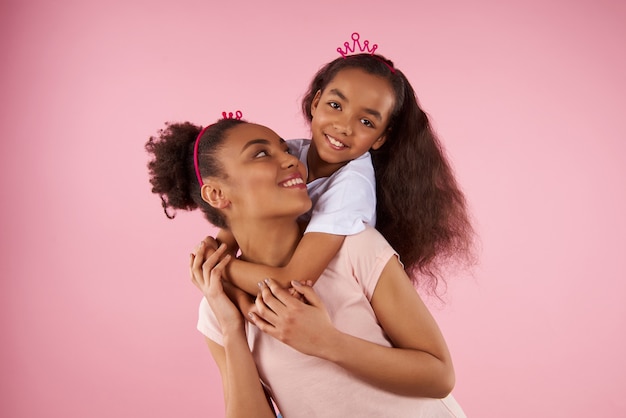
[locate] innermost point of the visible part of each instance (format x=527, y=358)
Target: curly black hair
x=172, y=172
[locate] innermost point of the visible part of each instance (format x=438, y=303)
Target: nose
x=290, y=161
x=342, y=125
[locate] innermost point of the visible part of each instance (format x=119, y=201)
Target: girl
x=332, y=355
x=357, y=105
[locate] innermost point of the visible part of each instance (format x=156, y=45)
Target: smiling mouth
x=335, y=143
x=292, y=182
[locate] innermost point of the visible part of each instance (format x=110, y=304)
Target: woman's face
x=263, y=180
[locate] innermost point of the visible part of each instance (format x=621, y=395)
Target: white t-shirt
x=308, y=387
x=344, y=202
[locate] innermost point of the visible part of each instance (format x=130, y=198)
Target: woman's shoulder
x=367, y=252
x=367, y=244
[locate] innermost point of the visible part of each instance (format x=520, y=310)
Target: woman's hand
x=205, y=256
x=206, y=275
x=243, y=391
x=302, y=324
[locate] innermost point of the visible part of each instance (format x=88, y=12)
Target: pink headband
x=196, y=164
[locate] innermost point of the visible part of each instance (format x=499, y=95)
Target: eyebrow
x=259, y=141
x=369, y=111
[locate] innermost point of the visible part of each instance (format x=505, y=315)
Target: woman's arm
x=243, y=393
x=419, y=364
x=309, y=260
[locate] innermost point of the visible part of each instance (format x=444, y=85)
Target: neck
x=317, y=167
x=271, y=243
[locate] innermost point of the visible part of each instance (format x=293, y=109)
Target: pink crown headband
x=196, y=164
x=356, y=43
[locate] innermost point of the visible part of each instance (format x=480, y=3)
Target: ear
x=315, y=102
x=379, y=142
x=214, y=195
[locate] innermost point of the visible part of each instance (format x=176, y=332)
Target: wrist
x=330, y=348
x=233, y=333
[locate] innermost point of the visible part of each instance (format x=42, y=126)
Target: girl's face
x=262, y=179
x=350, y=116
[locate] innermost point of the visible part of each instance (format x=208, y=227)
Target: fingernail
x=296, y=283
x=266, y=280
x=260, y=284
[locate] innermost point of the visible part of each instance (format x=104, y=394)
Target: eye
x=334, y=105
x=261, y=154
x=367, y=123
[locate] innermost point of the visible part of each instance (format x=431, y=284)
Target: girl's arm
x=317, y=249
x=418, y=365
x=243, y=393
x=309, y=260
x=224, y=236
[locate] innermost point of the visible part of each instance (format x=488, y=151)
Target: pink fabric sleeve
x=207, y=323
x=369, y=253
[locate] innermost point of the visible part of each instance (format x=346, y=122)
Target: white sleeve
x=346, y=203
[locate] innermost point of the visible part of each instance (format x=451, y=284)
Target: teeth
x=335, y=142
x=293, y=182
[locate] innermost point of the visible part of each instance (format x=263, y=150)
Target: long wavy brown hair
x=420, y=208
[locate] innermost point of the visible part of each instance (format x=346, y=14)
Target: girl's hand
x=206, y=275
x=303, y=325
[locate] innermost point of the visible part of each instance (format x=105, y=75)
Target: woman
x=362, y=344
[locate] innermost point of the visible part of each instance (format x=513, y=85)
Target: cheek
x=369, y=135
x=247, y=201
x=320, y=114
x=244, y=188
x=255, y=181
x=302, y=170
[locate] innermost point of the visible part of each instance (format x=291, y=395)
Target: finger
x=211, y=242
x=198, y=255
x=280, y=294
x=209, y=246
x=250, y=311
x=218, y=270
x=261, y=323
x=213, y=257
x=192, y=257
x=274, y=296
x=308, y=293
x=195, y=268
x=211, y=262
x=264, y=312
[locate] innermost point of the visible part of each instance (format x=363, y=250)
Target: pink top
x=306, y=386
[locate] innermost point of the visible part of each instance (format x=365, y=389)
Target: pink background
x=98, y=314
